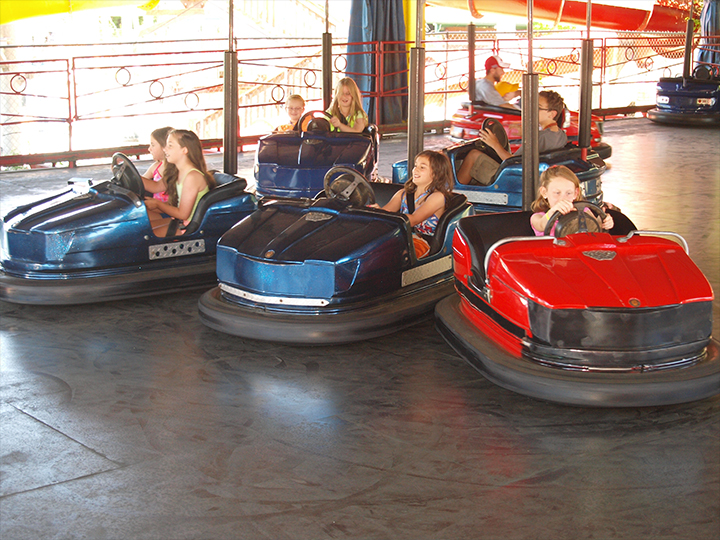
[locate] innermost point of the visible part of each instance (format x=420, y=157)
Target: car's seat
x=483, y=230
x=456, y=206
x=228, y=186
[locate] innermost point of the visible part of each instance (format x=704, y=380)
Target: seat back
x=456, y=205
x=483, y=230
x=220, y=193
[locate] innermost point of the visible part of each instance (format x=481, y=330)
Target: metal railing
x=62, y=105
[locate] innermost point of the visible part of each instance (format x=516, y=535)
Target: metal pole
x=530, y=124
x=230, y=105
x=471, y=63
x=327, y=61
x=689, y=30
x=586, y=87
x=416, y=102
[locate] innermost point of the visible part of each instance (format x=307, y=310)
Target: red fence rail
x=64, y=110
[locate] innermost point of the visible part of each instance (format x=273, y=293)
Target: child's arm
x=489, y=138
x=192, y=185
x=151, y=186
x=539, y=221
x=393, y=204
x=360, y=124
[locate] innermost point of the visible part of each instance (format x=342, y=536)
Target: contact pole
x=416, y=102
x=530, y=124
x=586, y=86
x=327, y=61
x=230, y=105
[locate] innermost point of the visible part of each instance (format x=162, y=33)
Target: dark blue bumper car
x=504, y=192
x=293, y=164
x=328, y=270
x=693, y=101
x=94, y=242
x=618, y=319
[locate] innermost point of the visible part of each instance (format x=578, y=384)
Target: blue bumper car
x=93, y=242
x=504, y=192
x=293, y=164
x=693, y=101
x=600, y=319
x=328, y=270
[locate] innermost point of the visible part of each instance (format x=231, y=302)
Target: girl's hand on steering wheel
x=561, y=206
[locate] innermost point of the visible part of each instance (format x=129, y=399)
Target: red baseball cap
x=495, y=61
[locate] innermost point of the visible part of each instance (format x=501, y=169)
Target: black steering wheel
x=319, y=122
x=350, y=186
x=126, y=175
x=578, y=221
x=497, y=129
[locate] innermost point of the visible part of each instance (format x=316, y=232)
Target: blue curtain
x=379, y=21
x=710, y=26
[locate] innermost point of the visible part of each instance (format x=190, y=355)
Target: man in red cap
x=485, y=88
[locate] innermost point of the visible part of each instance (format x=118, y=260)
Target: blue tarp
x=710, y=26
x=371, y=22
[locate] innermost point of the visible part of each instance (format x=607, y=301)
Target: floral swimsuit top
x=427, y=227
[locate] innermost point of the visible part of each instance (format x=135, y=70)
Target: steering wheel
x=126, y=175
x=578, y=221
x=351, y=187
x=319, y=122
x=497, y=129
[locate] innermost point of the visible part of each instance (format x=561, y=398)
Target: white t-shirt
x=485, y=91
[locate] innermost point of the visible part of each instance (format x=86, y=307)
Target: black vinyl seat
x=228, y=186
x=456, y=205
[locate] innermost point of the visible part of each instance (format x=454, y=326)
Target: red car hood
x=597, y=270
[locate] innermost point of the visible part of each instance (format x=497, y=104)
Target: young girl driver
x=346, y=110
x=155, y=172
x=430, y=188
x=183, y=150
x=559, y=188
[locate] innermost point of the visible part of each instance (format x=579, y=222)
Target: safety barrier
x=84, y=106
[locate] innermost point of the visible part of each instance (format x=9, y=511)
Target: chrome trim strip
x=275, y=300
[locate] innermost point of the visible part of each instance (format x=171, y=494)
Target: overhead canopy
x=635, y=15
x=14, y=10
x=379, y=21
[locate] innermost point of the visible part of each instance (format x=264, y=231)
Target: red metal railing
x=63, y=110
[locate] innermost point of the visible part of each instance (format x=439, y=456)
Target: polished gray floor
x=131, y=420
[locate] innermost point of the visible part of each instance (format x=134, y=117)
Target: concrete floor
x=131, y=420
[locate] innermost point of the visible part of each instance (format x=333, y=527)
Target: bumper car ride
x=466, y=125
x=293, y=164
x=330, y=270
x=619, y=319
x=94, y=242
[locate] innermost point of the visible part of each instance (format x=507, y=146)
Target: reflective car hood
x=597, y=270
x=297, y=232
x=95, y=208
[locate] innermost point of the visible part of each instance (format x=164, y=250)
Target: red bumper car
x=618, y=319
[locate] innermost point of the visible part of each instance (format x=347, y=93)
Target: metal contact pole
x=530, y=124
x=416, y=102
x=586, y=87
x=230, y=105
x=471, y=63
x=689, y=30
x=327, y=61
